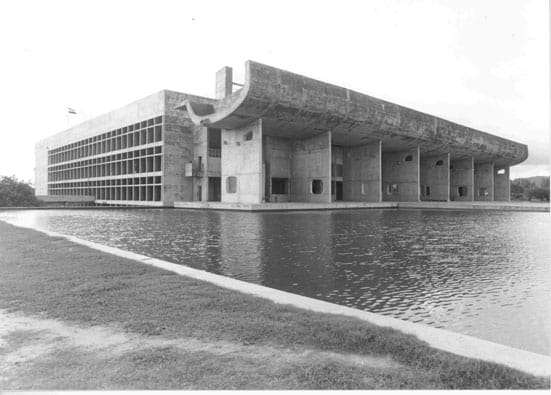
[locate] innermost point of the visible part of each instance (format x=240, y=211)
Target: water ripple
x=480, y=273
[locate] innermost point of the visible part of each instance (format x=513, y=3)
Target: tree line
x=532, y=188
x=16, y=193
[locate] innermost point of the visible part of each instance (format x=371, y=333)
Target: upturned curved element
x=294, y=106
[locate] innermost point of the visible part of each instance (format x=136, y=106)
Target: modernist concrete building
x=280, y=137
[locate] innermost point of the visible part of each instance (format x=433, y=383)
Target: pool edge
x=456, y=343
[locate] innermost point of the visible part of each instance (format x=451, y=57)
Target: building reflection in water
x=479, y=273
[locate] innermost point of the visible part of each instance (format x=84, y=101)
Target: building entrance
x=338, y=190
x=215, y=191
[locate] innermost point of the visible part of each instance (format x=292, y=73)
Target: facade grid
x=109, y=166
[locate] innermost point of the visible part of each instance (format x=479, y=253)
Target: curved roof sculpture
x=295, y=106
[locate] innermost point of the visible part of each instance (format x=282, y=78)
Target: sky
x=481, y=63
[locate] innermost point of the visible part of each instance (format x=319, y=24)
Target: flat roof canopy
x=294, y=106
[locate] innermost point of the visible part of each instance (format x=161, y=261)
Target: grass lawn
x=77, y=318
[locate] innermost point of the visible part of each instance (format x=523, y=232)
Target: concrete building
x=280, y=137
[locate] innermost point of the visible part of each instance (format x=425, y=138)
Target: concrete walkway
x=295, y=206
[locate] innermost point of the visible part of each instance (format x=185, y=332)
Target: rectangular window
x=231, y=184
x=158, y=133
x=280, y=186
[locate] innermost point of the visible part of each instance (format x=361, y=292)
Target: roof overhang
x=294, y=106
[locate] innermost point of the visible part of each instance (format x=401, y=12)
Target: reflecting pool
x=480, y=273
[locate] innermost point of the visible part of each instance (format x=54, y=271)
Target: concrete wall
x=277, y=159
x=502, y=187
x=362, y=173
x=311, y=160
x=337, y=171
x=178, y=143
x=148, y=107
x=313, y=103
x=243, y=159
x=484, y=178
x=462, y=175
x=405, y=175
x=434, y=173
x=224, y=79
x=200, y=178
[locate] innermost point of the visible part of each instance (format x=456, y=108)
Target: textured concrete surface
x=362, y=173
x=295, y=106
x=311, y=160
x=242, y=159
x=308, y=130
x=146, y=108
x=179, y=138
x=502, y=184
x=434, y=177
x=401, y=177
x=462, y=175
x=484, y=182
x=277, y=159
x=296, y=206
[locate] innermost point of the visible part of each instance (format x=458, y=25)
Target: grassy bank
x=160, y=330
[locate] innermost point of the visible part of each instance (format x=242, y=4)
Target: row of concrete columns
x=411, y=176
x=368, y=173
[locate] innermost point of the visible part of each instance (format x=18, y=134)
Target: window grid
x=104, y=176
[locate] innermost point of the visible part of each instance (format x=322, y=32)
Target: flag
x=71, y=111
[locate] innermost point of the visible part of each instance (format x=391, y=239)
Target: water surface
x=480, y=273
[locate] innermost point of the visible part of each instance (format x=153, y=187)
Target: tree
x=517, y=190
x=528, y=189
x=16, y=193
x=539, y=193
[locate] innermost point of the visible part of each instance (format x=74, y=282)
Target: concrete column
x=484, y=182
x=311, y=169
x=400, y=175
x=435, y=177
x=362, y=173
x=224, y=82
x=277, y=164
x=462, y=180
x=502, y=184
x=241, y=164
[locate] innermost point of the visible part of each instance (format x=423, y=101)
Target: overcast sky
x=481, y=63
